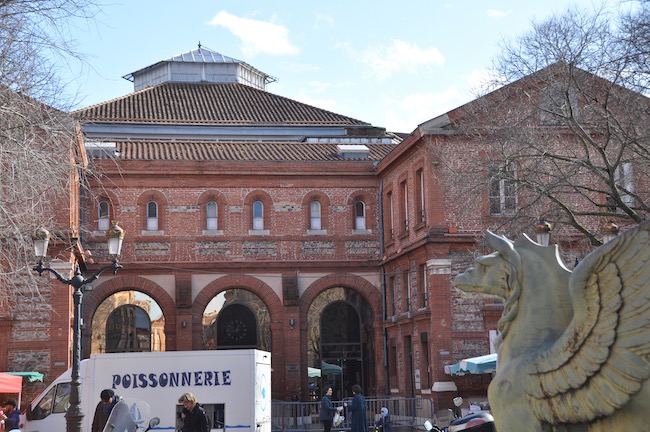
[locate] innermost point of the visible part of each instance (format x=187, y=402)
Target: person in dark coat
x=193, y=414
x=357, y=410
x=384, y=423
x=10, y=415
x=327, y=410
x=103, y=409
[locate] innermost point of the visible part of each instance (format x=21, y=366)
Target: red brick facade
x=395, y=272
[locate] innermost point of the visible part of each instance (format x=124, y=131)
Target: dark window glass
x=128, y=329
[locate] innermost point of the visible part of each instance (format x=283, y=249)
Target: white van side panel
x=151, y=384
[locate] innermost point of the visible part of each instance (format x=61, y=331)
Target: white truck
x=234, y=387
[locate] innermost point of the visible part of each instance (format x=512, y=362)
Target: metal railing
x=406, y=413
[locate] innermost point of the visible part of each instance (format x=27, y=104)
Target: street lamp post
x=114, y=237
x=543, y=232
x=609, y=231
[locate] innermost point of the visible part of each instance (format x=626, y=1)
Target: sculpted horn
x=504, y=246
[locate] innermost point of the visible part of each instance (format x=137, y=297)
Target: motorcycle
x=474, y=422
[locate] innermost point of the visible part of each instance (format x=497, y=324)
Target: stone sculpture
x=574, y=347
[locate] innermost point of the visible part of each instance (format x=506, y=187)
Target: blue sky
x=392, y=64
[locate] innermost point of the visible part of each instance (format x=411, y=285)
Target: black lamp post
x=114, y=237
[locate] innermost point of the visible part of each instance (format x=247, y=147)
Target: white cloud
x=385, y=60
x=256, y=36
x=479, y=82
x=322, y=103
x=405, y=114
x=301, y=68
x=315, y=86
x=323, y=20
x=496, y=13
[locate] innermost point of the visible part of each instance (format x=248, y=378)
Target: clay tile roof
x=238, y=151
x=225, y=104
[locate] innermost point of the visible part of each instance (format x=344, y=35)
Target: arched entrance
x=340, y=341
x=128, y=321
x=236, y=319
x=128, y=329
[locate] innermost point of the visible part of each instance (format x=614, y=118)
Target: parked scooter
x=474, y=422
x=121, y=420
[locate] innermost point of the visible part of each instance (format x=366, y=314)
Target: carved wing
x=603, y=357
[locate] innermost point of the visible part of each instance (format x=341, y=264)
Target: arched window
x=212, y=216
x=152, y=216
x=315, y=215
x=103, y=216
x=128, y=329
x=359, y=215
x=258, y=215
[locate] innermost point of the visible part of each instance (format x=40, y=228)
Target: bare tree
x=561, y=130
x=40, y=167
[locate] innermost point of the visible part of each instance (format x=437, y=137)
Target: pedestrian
x=384, y=423
x=357, y=410
x=103, y=409
x=193, y=415
x=10, y=415
x=327, y=410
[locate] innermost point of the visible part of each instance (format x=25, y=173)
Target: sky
x=392, y=64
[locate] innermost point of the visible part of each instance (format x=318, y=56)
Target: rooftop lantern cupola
x=201, y=65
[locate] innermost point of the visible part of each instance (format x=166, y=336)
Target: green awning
x=29, y=376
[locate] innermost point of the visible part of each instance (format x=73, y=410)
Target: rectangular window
x=406, y=283
x=419, y=195
x=403, y=207
x=408, y=355
x=502, y=191
x=625, y=177
x=557, y=105
x=423, y=286
x=392, y=365
x=391, y=291
x=425, y=365
x=389, y=216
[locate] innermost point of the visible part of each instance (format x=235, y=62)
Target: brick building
x=253, y=220
x=456, y=175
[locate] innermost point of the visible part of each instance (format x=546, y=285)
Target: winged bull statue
x=574, y=347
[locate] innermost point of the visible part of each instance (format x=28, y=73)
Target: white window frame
x=420, y=173
x=152, y=216
x=359, y=215
x=103, y=215
x=258, y=215
x=211, y=216
x=502, y=192
x=315, y=221
x=624, y=175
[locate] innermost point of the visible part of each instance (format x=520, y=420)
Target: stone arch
x=370, y=293
x=94, y=298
